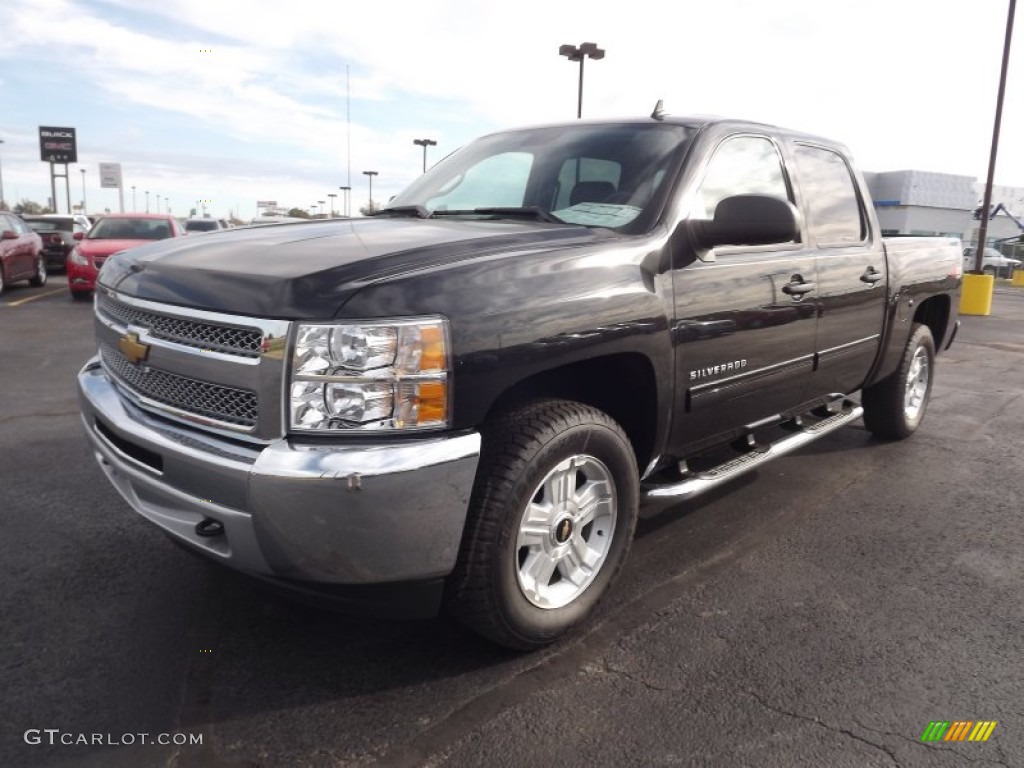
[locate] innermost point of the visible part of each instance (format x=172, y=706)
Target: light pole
x=312, y=207
x=976, y=295
x=332, y=195
x=424, y=143
x=574, y=53
x=147, y=201
x=344, y=205
x=370, y=175
x=83, y=190
x=320, y=203
x=134, y=206
x=158, y=203
x=2, y=206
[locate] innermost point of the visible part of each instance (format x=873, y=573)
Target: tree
x=369, y=209
x=298, y=213
x=31, y=208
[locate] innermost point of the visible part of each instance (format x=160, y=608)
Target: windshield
x=595, y=175
x=130, y=229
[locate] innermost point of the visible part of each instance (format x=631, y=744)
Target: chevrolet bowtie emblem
x=133, y=349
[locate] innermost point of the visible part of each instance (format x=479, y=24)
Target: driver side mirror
x=9, y=234
x=79, y=235
x=749, y=220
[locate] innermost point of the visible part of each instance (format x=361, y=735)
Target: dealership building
x=926, y=203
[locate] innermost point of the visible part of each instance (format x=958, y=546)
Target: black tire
x=81, y=295
x=895, y=406
x=39, y=280
x=2, y=282
x=522, y=450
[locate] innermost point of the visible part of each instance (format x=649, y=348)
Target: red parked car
x=21, y=252
x=113, y=233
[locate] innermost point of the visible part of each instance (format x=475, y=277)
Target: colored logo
x=958, y=730
x=133, y=350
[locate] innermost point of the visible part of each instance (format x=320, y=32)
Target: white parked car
x=992, y=262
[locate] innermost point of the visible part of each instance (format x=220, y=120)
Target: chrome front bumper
x=339, y=513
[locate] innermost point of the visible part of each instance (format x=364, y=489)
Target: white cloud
x=907, y=84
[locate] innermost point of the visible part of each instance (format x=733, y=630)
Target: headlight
x=373, y=375
x=77, y=258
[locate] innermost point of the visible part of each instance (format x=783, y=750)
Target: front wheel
x=895, y=406
x=551, y=520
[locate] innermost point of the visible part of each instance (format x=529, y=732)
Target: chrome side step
x=701, y=482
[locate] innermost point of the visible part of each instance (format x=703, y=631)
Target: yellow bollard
x=1018, y=277
x=976, y=297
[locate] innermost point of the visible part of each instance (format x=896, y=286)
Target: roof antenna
x=659, y=110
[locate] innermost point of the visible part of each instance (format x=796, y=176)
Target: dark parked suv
x=58, y=235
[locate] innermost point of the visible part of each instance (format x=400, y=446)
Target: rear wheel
x=550, y=523
x=39, y=279
x=1, y=277
x=81, y=295
x=895, y=406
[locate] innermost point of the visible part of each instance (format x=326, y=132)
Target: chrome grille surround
x=241, y=340
x=201, y=376
x=213, y=401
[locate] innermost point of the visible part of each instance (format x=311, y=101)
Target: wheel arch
x=623, y=385
x=934, y=312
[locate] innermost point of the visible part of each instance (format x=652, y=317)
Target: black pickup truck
x=461, y=402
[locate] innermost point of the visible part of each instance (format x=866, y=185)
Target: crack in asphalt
x=821, y=723
x=606, y=668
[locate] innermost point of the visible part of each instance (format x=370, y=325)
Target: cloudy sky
x=235, y=101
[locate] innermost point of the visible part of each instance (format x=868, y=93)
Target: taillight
x=56, y=240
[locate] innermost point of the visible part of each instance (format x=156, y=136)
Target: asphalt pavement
x=819, y=612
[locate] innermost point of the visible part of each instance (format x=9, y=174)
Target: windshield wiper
x=404, y=210
x=530, y=211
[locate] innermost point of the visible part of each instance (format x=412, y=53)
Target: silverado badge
x=133, y=349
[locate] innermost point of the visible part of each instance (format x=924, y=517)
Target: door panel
x=852, y=279
x=745, y=316
x=744, y=348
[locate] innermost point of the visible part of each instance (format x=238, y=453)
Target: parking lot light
x=579, y=53
x=425, y=143
x=370, y=175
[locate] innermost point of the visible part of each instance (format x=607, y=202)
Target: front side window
x=834, y=215
x=744, y=165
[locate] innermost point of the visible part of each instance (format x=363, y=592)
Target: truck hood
x=309, y=270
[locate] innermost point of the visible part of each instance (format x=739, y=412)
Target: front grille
x=231, y=340
x=213, y=401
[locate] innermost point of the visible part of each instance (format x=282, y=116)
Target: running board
x=701, y=482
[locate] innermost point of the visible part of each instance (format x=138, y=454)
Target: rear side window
x=834, y=215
